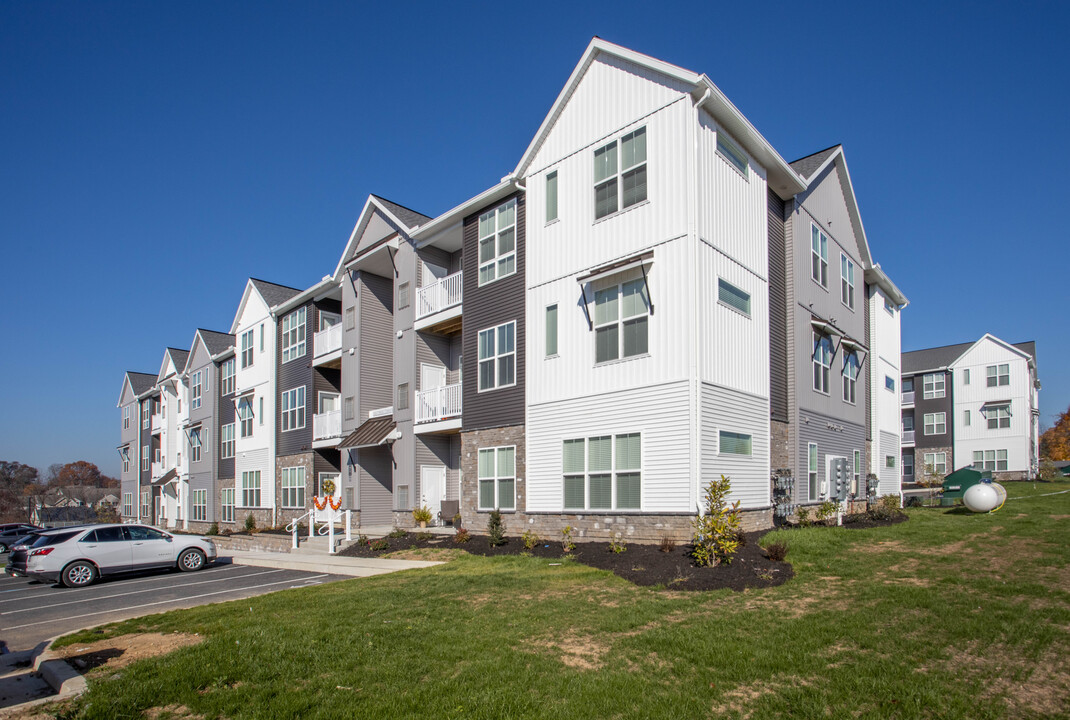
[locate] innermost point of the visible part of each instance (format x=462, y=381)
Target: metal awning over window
x=825, y=327
x=371, y=433
x=617, y=266
x=168, y=477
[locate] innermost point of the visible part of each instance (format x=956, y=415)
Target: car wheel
x=79, y=574
x=3, y=548
x=190, y=560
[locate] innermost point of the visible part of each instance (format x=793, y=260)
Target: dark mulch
x=640, y=564
x=873, y=520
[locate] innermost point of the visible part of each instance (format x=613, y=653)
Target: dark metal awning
x=169, y=476
x=371, y=433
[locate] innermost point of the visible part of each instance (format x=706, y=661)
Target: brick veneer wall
x=305, y=460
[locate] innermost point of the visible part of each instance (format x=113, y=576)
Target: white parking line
x=126, y=583
x=153, y=604
x=134, y=592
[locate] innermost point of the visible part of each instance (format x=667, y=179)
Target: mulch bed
x=866, y=520
x=639, y=564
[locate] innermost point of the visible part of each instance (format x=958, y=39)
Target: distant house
x=64, y=516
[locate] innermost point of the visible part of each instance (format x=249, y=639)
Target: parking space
x=31, y=612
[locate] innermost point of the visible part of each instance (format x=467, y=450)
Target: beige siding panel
x=724, y=409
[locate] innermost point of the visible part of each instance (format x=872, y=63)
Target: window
x=733, y=297
x=403, y=396
x=811, y=471
x=293, y=487
x=497, y=478
x=551, y=196
x=293, y=335
x=998, y=416
x=822, y=362
x=966, y=376
x=227, y=441
x=146, y=414
x=293, y=409
x=819, y=256
x=936, y=463
x=349, y=408
x=628, y=184
x=966, y=417
x=935, y=423
x=850, y=376
x=995, y=460
x=245, y=417
x=621, y=315
x=403, y=296
x=145, y=459
x=733, y=443
x=126, y=417
x=250, y=488
x=195, y=445
x=227, y=386
x=908, y=385
x=128, y=504
x=351, y=318
x=847, y=281
x=195, y=391
x=908, y=465
x=732, y=154
x=146, y=502
x=497, y=356
x=247, y=349
x=932, y=386
x=889, y=461
x=403, y=497
x=610, y=479
x=857, y=473
x=889, y=383
x=261, y=410
x=998, y=375
x=125, y=453
x=908, y=423
x=261, y=337
x=157, y=456
x=228, y=504
x=200, y=505
x=551, y=331
x=497, y=243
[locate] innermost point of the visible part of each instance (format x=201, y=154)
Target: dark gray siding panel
x=290, y=375
x=225, y=416
x=778, y=312
x=432, y=450
x=833, y=437
x=922, y=406
x=376, y=490
x=485, y=307
x=326, y=460
x=376, y=325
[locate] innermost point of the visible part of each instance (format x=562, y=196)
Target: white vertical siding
x=659, y=412
x=885, y=410
x=257, y=452
x=725, y=409
x=890, y=479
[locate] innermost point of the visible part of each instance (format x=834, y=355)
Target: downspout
x=693, y=280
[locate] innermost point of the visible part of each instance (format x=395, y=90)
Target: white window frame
x=721, y=437
x=195, y=445
x=998, y=417
x=621, y=322
x=404, y=296
x=908, y=462
x=614, y=472
x=552, y=319
x=227, y=504
x=857, y=472
x=251, y=489
x=994, y=460
x=819, y=256
x=248, y=340
x=850, y=377
x=293, y=334
x=226, y=443
x=738, y=298
x=125, y=454
x=228, y=374
x=350, y=318
x=497, y=358
x=966, y=418
x=146, y=458
x=813, y=487
x=492, y=232
x=732, y=154
x=292, y=483
x=611, y=173
x=551, y=196
x=998, y=375
x=937, y=461
x=128, y=504
x=146, y=414
x=932, y=386
x=195, y=391
x=822, y=365
x=847, y=281
x=199, y=505
x=146, y=505
x=966, y=376
x=293, y=409
x=245, y=417
x=126, y=417
x=937, y=421
x=494, y=479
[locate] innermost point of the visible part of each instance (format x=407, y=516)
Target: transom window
x=603, y=473
x=200, y=504
x=497, y=243
x=998, y=416
x=819, y=256
x=293, y=487
x=497, y=356
x=935, y=423
x=847, y=281
x=293, y=335
x=822, y=362
x=227, y=441
x=227, y=504
x=497, y=478
x=620, y=185
x=996, y=375
x=250, y=488
x=990, y=459
x=227, y=386
x=850, y=377
x=247, y=344
x=195, y=391
x=733, y=297
x=293, y=409
x=932, y=386
x=732, y=154
x=936, y=463
x=621, y=315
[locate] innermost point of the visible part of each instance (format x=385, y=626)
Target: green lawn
x=950, y=615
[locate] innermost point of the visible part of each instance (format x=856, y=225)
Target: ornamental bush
x=716, y=531
x=250, y=523
x=495, y=528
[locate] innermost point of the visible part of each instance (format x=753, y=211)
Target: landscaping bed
x=640, y=564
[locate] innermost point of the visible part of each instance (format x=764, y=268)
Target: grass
x=950, y=615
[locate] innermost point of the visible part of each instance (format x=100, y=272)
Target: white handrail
x=439, y=295
x=291, y=527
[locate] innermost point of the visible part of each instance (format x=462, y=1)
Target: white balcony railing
x=327, y=425
x=328, y=340
x=438, y=296
x=908, y=436
x=908, y=398
x=438, y=404
x=157, y=423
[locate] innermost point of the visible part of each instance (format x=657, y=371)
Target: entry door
x=432, y=376
x=329, y=402
x=432, y=488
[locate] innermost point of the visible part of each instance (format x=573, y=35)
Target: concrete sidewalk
x=324, y=563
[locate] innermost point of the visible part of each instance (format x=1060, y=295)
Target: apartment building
x=134, y=433
x=971, y=404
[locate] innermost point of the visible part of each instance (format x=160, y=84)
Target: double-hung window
x=908, y=423
x=932, y=386
x=847, y=281
x=935, y=423
x=822, y=362
x=936, y=463
x=998, y=416
x=227, y=386
x=250, y=488
x=227, y=504
x=990, y=460
x=125, y=453
x=245, y=417
x=819, y=256
x=293, y=409
x=602, y=473
x=200, y=504
x=497, y=356
x=145, y=458
x=621, y=319
x=497, y=243
x=850, y=377
x=226, y=446
x=619, y=185
x=908, y=465
x=128, y=504
x=811, y=471
x=497, y=478
x=196, y=389
x=195, y=445
x=293, y=335
x=857, y=472
x=146, y=502
x=146, y=414
x=247, y=343
x=126, y=417
x=293, y=487
x=996, y=375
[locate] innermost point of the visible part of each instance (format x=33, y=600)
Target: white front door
x=433, y=489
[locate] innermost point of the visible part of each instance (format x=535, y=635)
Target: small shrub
x=362, y=539
x=890, y=502
x=379, y=545
x=495, y=528
x=423, y=536
x=457, y=520
x=617, y=545
x=667, y=545
x=422, y=514
x=777, y=551
x=531, y=539
x=826, y=511
x=804, y=517
x=250, y=523
x=461, y=536
x=398, y=533
x=213, y=530
x=715, y=537
x=741, y=538
x=566, y=540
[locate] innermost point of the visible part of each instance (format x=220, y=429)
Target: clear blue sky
x=153, y=155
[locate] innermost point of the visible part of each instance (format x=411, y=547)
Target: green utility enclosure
x=956, y=483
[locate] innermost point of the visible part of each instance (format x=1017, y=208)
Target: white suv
x=78, y=556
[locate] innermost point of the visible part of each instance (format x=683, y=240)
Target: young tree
x=1055, y=441
x=15, y=480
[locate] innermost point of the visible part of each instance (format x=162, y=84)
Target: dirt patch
x=1044, y=691
x=172, y=712
x=118, y=652
x=576, y=651
x=738, y=700
x=433, y=554
x=1059, y=517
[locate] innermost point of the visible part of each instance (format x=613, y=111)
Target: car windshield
x=46, y=540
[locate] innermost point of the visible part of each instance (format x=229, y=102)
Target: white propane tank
x=983, y=497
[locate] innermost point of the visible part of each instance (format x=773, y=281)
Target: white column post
x=330, y=530
x=349, y=525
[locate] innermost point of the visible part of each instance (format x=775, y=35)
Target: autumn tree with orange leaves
x=1055, y=441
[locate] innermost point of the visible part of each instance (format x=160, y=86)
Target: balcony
x=157, y=424
x=327, y=346
x=908, y=437
x=908, y=398
x=326, y=429
x=439, y=409
x=438, y=306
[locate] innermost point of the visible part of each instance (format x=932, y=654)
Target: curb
x=57, y=672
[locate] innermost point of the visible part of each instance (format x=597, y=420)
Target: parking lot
x=32, y=612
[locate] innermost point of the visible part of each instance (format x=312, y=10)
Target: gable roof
x=807, y=166
x=217, y=343
x=178, y=361
x=782, y=178
x=411, y=218
x=140, y=383
x=939, y=358
x=270, y=293
x=835, y=156
x=397, y=216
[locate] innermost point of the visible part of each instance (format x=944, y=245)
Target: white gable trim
x=989, y=336
x=250, y=288
x=371, y=206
